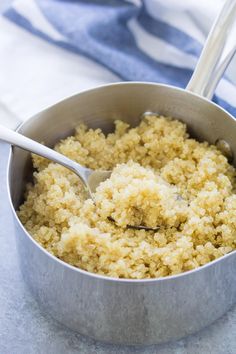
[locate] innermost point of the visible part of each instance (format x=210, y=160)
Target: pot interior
x=100, y=107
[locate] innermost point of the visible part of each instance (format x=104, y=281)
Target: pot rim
x=95, y=275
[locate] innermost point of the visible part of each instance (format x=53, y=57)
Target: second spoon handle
x=16, y=139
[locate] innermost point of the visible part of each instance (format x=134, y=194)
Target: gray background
x=24, y=328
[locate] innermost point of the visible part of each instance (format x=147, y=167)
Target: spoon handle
x=16, y=139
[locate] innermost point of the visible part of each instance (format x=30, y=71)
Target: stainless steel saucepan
x=123, y=310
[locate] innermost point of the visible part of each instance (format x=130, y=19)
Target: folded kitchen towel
x=64, y=46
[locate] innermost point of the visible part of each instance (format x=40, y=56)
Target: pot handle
x=216, y=55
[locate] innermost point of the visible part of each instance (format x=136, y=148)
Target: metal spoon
x=90, y=178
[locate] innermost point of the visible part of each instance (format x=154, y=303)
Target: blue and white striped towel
x=107, y=41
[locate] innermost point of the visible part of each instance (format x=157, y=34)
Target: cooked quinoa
x=160, y=178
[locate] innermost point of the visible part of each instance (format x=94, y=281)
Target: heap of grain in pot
x=160, y=178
